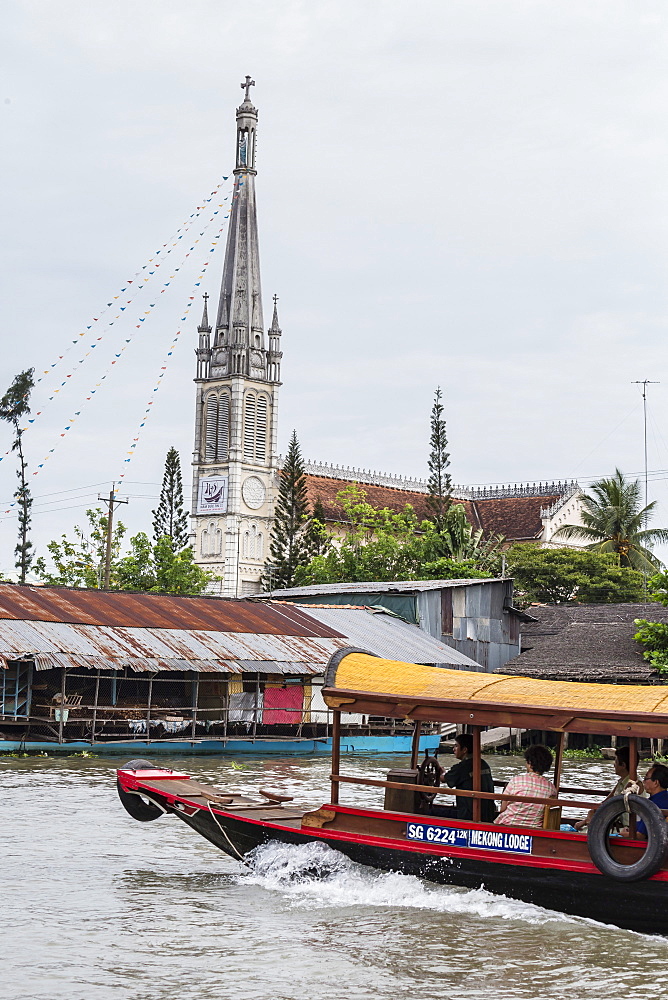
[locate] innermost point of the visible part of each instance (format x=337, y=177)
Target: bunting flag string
x=93, y=391
x=152, y=265
x=163, y=369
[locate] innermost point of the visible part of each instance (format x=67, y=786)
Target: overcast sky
x=462, y=193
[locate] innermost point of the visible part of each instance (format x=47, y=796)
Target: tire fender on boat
x=656, y=852
x=132, y=802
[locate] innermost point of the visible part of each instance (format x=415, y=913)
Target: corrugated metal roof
x=325, y=630
x=93, y=646
x=374, y=587
x=96, y=607
x=385, y=635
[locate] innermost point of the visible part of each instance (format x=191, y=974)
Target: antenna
x=644, y=383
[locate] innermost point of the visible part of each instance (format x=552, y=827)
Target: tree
x=170, y=518
x=80, y=563
x=14, y=408
x=317, y=536
x=654, y=636
x=145, y=567
x=613, y=522
x=554, y=576
x=159, y=569
x=290, y=537
x=382, y=544
x=439, y=482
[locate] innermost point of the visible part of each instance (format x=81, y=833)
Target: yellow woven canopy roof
x=395, y=689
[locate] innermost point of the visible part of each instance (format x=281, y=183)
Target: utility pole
x=112, y=503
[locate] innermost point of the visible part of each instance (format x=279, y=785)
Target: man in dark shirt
x=655, y=784
x=460, y=775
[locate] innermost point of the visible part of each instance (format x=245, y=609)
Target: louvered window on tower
x=211, y=430
x=249, y=426
x=261, y=433
x=223, y=435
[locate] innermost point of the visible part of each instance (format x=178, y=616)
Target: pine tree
x=14, y=408
x=317, y=536
x=289, y=540
x=440, y=484
x=170, y=517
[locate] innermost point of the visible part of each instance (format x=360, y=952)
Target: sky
x=457, y=193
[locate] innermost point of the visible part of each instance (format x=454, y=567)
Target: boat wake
x=314, y=876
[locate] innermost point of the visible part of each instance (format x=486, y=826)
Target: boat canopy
x=357, y=681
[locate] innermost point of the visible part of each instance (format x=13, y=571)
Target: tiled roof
x=586, y=642
x=516, y=518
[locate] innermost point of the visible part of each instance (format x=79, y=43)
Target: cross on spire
x=247, y=86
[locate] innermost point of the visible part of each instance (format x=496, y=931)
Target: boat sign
x=487, y=840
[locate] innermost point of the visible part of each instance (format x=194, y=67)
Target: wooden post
x=256, y=704
x=477, y=777
x=415, y=748
x=95, y=701
x=559, y=759
x=336, y=754
x=226, y=709
x=61, y=723
x=148, y=708
x=195, y=700
x=633, y=772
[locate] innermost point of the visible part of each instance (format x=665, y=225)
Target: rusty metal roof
x=289, y=639
x=62, y=644
x=97, y=607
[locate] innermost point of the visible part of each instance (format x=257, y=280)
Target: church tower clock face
x=253, y=492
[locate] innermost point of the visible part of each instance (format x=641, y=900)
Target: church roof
x=517, y=518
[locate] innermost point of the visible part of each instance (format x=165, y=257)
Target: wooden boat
x=618, y=880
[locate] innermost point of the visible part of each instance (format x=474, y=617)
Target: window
x=212, y=540
x=249, y=426
x=261, y=432
x=252, y=543
x=211, y=429
x=223, y=449
x=217, y=429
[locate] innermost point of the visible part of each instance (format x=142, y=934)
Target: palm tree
x=612, y=521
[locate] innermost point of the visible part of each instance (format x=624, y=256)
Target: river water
x=98, y=907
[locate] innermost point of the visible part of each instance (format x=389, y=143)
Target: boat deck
x=230, y=802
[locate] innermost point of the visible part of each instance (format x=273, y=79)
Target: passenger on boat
x=622, y=771
x=533, y=784
x=460, y=775
x=655, y=783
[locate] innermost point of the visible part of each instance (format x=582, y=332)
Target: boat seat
x=551, y=817
x=275, y=796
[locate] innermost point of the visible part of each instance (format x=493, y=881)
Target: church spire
x=274, y=355
x=239, y=323
x=203, y=351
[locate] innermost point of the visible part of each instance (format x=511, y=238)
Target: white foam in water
x=314, y=876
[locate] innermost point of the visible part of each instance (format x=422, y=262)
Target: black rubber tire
x=656, y=851
x=143, y=812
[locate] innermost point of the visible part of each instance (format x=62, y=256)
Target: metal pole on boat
x=336, y=754
x=415, y=749
x=477, y=781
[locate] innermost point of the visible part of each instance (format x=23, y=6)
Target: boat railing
x=567, y=788
x=464, y=792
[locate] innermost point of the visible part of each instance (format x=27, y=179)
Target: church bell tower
x=238, y=375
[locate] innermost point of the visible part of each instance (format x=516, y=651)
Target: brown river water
x=98, y=907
